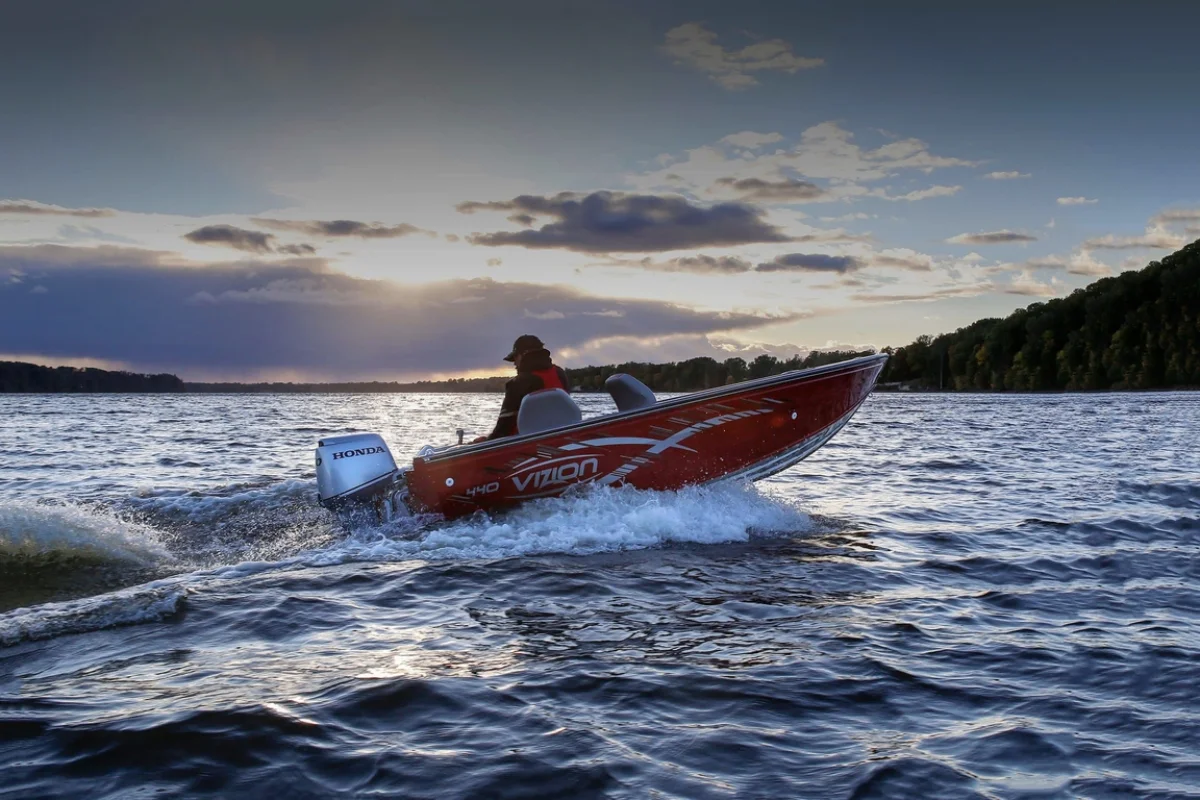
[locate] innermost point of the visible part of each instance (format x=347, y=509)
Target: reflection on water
x=958, y=596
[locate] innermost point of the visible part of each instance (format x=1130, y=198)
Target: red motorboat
x=746, y=431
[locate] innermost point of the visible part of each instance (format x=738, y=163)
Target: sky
x=396, y=190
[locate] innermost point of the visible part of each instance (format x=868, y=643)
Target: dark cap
x=524, y=344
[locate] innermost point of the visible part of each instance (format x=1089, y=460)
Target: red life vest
x=550, y=380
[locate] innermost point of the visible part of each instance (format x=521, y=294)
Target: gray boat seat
x=628, y=392
x=546, y=409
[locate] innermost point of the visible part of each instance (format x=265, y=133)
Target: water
x=957, y=597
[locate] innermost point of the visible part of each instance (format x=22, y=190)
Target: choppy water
x=957, y=597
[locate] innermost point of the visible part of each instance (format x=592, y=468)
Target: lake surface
x=959, y=596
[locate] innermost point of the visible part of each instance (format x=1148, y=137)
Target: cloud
x=825, y=156
x=302, y=318
x=698, y=264
x=619, y=349
x=34, y=208
x=835, y=235
x=1077, y=201
x=229, y=236
x=609, y=222
x=857, y=215
x=341, y=227
x=895, y=258
x=811, y=262
x=1006, y=176
x=1176, y=215
x=494, y=262
x=1078, y=263
x=1026, y=284
x=692, y=45
x=991, y=237
x=1155, y=238
x=925, y=194
x=296, y=249
x=751, y=140
x=969, y=290
x=70, y=234
x=903, y=258
x=787, y=190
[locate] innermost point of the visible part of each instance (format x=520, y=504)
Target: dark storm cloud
x=229, y=236
x=788, y=190
x=992, y=237
x=612, y=222
x=811, y=262
x=341, y=227
x=33, y=208
x=244, y=318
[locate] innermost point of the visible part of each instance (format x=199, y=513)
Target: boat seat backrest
x=546, y=409
x=628, y=392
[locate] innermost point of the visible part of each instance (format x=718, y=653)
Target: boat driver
x=535, y=371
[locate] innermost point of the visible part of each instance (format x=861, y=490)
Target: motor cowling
x=357, y=471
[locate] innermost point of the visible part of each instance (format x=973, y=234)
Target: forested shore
x=1137, y=330
x=17, y=376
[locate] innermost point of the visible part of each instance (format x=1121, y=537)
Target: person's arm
x=506, y=425
x=562, y=376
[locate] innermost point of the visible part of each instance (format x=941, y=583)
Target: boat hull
x=746, y=431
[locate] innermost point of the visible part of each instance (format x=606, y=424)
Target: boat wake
x=154, y=548
x=599, y=519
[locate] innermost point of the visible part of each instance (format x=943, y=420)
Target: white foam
x=40, y=532
x=148, y=603
x=603, y=519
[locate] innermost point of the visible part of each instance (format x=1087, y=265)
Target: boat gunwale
x=792, y=376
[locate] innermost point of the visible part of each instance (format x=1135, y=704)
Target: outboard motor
x=357, y=479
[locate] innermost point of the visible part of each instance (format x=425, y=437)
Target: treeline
x=1138, y=330
x=17, y=376
x=705, y=373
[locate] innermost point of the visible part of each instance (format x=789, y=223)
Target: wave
x=128, y=607
x=235, y=523
x=39, y=533
x=220, y=504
